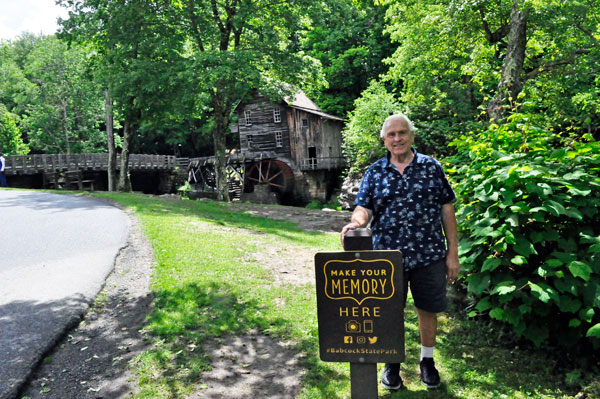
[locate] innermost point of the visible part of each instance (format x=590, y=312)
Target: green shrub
x=185, y=189
x=335, y=205
x=362, y=143
x=529, y=226
x=11, y=139
x=314, y=204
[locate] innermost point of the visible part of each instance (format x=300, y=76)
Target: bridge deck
x=40, y=163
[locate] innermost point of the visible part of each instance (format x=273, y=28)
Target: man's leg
x=391, y=373
x=427, y=327
x=428, y=330
x=428, y=286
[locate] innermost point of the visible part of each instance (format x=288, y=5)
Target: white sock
x=427, y=351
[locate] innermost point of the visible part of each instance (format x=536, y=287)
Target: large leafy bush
x=362, y=144
x=11, y=139
x=530, y=230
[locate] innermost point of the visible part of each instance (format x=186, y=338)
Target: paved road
x=55, y=254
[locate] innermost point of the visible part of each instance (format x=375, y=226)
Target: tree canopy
x=505, y=92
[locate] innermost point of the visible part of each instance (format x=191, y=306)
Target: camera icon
x=353, y=326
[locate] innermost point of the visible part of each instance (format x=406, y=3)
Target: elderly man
x=408, y=201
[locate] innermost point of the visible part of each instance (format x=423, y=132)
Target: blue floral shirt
x=407, y=208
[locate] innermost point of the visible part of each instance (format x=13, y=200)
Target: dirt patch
x=290, y=265
x=293, y=264
x=91, y=361
x=251, y=366
x=325, y=220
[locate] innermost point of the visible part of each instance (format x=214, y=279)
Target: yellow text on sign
x=355, y=311
x=359, y=279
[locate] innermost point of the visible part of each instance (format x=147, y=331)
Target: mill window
x=276, y=115
x=279, y=139
x=247, y=115
x=250, y=140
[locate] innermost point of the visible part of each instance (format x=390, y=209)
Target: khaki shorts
x=428, y=287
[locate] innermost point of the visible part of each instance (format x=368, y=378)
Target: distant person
x=408, y=201
x=2, y=177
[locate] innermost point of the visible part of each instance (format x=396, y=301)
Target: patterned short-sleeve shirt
x=407, y=208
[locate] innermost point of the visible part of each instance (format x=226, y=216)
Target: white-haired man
x=408, y=201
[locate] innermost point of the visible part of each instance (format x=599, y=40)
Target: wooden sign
x=359, y=305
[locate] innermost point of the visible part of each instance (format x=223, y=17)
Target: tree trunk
x=511, y=81
x=66, y=128
x=221, y=115
x=124, y=181
x=110, y=142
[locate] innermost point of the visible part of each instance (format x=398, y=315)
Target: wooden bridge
x=149, y=173
x=46, y=163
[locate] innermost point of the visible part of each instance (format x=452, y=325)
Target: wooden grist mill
x=290, y=152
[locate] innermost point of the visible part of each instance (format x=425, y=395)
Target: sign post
x=359, y=306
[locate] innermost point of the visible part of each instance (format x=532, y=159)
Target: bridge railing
x=323, y=163
x=39, y=163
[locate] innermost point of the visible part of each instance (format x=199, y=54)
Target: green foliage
x=57, y=104
x=11, y=141
x=530, y=230
x=65, y=107
x=362, y=142
x=351, y=52
x=316, y=204
x=450, y=56
x=185, y=189
x=14, y=86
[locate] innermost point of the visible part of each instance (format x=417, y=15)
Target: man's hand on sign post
x=360, y=218
x=347, y=228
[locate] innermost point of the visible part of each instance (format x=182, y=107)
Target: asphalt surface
x=55, y=254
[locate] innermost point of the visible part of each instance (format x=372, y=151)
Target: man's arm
x=360, y=218
x=451, y=232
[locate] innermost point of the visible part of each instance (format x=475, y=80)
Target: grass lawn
x=205, y=289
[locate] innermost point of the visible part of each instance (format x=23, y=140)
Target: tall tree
x=137, y=50
x=110, y=142
x=239, y=46
x=64, y=109
x=511, y=80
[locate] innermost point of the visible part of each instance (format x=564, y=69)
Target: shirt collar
x=419, y=158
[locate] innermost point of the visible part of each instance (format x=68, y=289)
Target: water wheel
x=276, y=174
x=202, y=175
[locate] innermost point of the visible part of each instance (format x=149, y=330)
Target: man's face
x=398, y=138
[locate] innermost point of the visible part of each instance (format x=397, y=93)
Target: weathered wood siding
x=331, y=139
x=323, y=134
x=263, y=128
